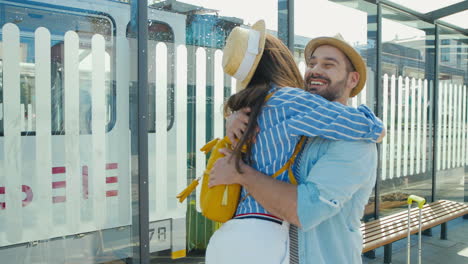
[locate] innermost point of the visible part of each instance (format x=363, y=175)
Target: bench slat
x=399, y=214
x=391, y=228
x=402, y=234
x=404, y=213
x=402, y=224
x=414, y=216
x=378, y=225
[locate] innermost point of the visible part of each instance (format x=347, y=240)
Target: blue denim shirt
x=335, y=179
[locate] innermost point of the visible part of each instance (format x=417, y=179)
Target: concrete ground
x=454, y=250
x=192, y=258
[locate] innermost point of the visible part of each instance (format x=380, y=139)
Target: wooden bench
x=384, y=231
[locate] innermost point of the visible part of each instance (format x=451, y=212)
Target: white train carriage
x=65, y=142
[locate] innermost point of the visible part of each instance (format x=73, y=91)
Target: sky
x=315, y=18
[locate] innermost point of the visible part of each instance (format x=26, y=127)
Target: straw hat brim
x=260, y=27
x=349, y=51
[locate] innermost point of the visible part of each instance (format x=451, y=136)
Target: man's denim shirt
x=335, y=179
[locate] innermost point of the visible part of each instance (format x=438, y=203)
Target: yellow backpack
x=219, y=203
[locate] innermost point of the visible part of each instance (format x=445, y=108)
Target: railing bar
x=161, y=130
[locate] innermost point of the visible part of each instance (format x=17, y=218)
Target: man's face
x=326, y=73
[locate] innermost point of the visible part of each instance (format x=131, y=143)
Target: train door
x=167, y=128
x=64, y=146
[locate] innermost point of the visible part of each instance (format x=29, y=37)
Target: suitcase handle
x=421, y=201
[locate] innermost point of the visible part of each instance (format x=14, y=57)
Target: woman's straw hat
x=349, y=51
x=242, y=53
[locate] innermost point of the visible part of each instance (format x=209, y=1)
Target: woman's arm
x=307, y=114
x=237, y=122
x=279, y=198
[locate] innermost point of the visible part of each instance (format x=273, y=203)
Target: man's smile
x=317, y=83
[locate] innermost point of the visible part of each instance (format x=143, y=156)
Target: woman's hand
x=224, y=170
x=382, y=135
x=236, y=124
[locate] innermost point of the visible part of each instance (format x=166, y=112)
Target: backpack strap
x=290, y=162
x=292, y=159
x=269, y=96
x=287, y=165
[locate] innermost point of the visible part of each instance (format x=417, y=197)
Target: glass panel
x=65, y=193
x=407, y=68
x=359, y=30
x=187, y=89
x=452, y=109
x=424, y=6
x=458, y=19
x=29, y=20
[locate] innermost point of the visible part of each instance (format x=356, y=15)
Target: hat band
x=249, y=57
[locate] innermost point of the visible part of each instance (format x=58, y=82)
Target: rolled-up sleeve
x=333, y=180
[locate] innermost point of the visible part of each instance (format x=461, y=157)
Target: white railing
x=451, y=136
x=161, y=177
x=406, y=108
x=200, y=115
x=26, y=172
x=13, y=220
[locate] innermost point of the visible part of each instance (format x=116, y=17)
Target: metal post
x=435, y=111
x=143, y=209
x=388, y=253
x=291, y=25
x=427, y=232
x=286, y=23
x=370, y=254
x=140, y=223
x=373, y=40
x=419, y=235
x=378, y=98
x=408, y=242
x=443, y=231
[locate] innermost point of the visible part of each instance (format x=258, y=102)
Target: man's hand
x=224, y=170
x=236, y=124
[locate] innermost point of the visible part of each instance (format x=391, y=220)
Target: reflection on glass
x=452, y=108
x=407, y=68
x=88, y=26
x=187, y=89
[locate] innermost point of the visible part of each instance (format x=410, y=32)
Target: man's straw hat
x=242, y=53
x=349, y=51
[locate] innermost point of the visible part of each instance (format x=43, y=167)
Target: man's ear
x=353, y=79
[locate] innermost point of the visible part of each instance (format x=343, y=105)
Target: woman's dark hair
x=277, y=66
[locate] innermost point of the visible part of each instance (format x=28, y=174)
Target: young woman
x=266, y=72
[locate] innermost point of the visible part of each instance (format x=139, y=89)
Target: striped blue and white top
x=291, y=113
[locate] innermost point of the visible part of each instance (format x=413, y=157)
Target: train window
x=445, y=54
x=158, y=32
x=388, y=68
x=85, y=25
x=413, y=72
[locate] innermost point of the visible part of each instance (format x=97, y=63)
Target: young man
x=335, y=177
